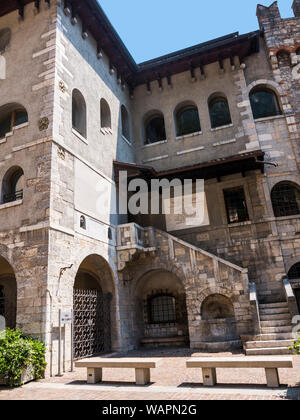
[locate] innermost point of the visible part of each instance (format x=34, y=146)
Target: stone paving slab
x=171, y=382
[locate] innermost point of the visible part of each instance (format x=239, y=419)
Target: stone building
x=75, y=112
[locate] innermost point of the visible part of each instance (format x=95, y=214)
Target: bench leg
x=94, y=375
x=142, y=376
x=272, y=378
x=209, y=376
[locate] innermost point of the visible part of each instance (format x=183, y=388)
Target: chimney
x=269, y=16
x=296, y=8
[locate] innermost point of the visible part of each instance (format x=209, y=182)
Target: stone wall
x=199, y=273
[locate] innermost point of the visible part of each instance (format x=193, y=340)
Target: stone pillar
x=296, y=8
x=268, y=16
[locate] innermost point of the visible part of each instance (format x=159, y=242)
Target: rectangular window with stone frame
x=236, y=206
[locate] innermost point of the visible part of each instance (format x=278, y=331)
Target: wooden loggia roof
x=96, y=22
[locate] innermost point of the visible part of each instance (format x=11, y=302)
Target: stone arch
x=163, y=265
x=290, y=263
x=213, y=291
x=160, y=315
x=217, y=306
x=266, y=83
x=212, y=328
x=94, y=304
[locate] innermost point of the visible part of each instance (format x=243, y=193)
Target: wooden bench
x=269, y=363
x=95, y=365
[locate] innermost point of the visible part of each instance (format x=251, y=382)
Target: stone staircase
x=276, y=331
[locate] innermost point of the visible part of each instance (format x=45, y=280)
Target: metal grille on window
x=286, y=200
x=236, y=206
x=92, y=334
x=294, y=272
x=2, y=301
x=162, y=309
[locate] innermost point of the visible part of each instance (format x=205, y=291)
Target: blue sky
x=150, y=28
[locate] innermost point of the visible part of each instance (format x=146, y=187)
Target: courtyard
x=171, y=381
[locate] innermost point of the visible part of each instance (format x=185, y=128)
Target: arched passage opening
x=294, y=276
x=161, y=312
x=93, y=305
x=8, y=293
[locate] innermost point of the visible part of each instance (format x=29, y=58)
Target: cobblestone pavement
x=171, y=382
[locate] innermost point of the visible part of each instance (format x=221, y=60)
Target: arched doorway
x=8, y=293
x=161, y=312
x=92, y=304
x=294, y=276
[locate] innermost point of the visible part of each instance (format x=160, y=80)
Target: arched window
x=294, y=272
x=284, y=58
x=187, y=120
x=286, y=199
x=155, y=130
x=11, y=115
x=125, y=123
x=264, y=103
x=219, y=111
x=78, y=112
x=217, y=307
x=82, y=222
x=13, y=185
x=105, y=114
x=162, y=309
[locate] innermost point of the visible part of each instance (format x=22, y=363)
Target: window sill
x=274, y=117
x=223, y=127
x=239, y=224
x=127, y=141
x=186, y=136
x=12, y=204
x=154, y=144
x=79, y=136
x=11, y=133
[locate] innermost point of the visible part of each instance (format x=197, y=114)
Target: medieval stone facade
x=74, y=111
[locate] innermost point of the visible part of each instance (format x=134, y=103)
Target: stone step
x=271, y=337
x=273, y=305
x=277, y=330
x=268, y=344
x=268, y=351
x=275, y=323
x=279, y=317
x=274, y=311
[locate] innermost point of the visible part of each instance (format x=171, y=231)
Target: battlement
x=268, y=15
x=296, y=8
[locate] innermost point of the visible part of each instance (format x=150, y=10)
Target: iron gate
x=92, y=334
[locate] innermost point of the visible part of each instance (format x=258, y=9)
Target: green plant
x=18, y=352
x=296, y=345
